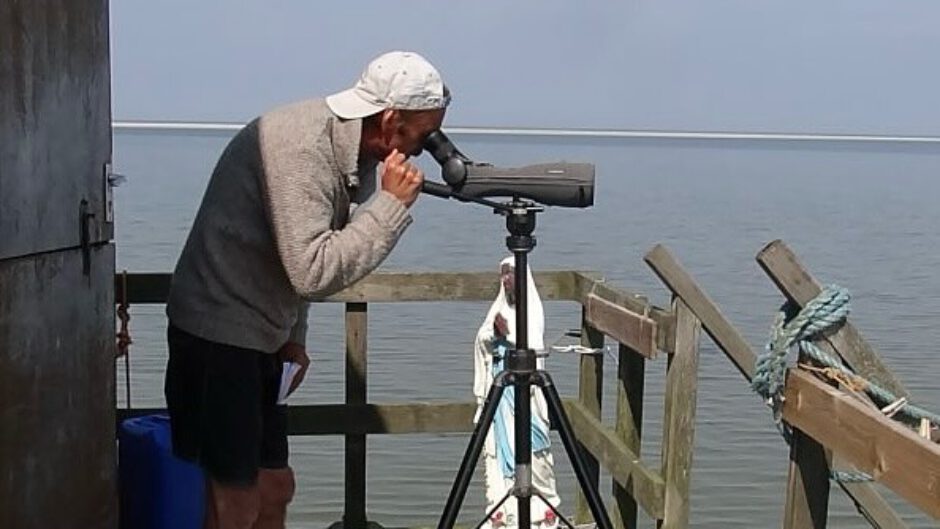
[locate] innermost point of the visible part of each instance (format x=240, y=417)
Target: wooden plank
x=890, y=452
x=625, y=326
x=808, y=474
x=716, y=325
x=624, y=465
x=356, y=391
x=366, y=419
x=795, y=282
x=679, y=419
x=586, y=284
x=391, y=418
x=807, y=505
x=631, y=377
x=792, y=278
x=729, y=340
x=57, y=391
x=143, y=287
x=869, y=502
x=388, y=287
x=590, y=392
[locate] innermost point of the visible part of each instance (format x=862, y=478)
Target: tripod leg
x=554, y=510
x=523, y=442
x=557, y=412
x=494, y=509
x=459, y=489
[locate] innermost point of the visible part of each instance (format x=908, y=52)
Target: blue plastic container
x=157, y=489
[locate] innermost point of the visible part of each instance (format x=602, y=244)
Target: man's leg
x=275, y=477
x=276, y=489
x=231, y=506
x=214, y=395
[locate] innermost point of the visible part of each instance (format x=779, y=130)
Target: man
x=272, y=232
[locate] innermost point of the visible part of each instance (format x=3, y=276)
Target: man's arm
x=300, y=196
x=298, y=333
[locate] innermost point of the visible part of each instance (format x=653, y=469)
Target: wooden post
x=631, y=375
x=679, y=417
x=590, y=391
x=807, y=504
x=356, y=375
x=798, y=285
x=786, y=271
x=716, y=325
x=867, y=499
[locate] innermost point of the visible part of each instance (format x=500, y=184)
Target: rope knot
x=826, y=311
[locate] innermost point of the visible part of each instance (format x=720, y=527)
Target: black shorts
x=222, y=402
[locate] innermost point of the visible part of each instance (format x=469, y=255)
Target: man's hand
x=500, y=326
x=293, y=352
x=401, y=178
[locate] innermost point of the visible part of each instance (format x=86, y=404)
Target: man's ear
x=391, y=121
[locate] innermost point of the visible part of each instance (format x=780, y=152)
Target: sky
x=820, y=66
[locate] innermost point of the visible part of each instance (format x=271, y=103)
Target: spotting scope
x=552, y=184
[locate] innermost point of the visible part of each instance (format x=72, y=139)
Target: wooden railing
x=833, y=429
x=640, y=329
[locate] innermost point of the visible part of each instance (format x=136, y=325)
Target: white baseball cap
x=400, y=80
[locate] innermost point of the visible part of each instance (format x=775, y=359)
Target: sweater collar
x=346, y=136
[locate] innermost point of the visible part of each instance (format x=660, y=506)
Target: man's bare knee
x=234, y=507
x=276, y=487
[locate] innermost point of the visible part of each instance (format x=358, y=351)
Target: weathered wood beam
x=870, y=503
x=722, y=332
x=631, y=381
x=807, y=504
x=646, y=486
x=590, y=393
x=588, y=283
x=623, y=464
x=627, y=327
x=786, y=271
x=343, y=419
x=386, y=287
x=679, y=418
x=794, y=281
x=142, y=287
x=893, y=454
x=354, y=510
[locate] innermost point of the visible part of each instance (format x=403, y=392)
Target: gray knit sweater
x=273, y=229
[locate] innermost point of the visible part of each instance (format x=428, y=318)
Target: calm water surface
x=862, y=216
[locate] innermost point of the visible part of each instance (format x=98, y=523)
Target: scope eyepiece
x=453, y=162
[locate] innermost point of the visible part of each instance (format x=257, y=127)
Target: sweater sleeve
x=298, y=333
x=299, y=190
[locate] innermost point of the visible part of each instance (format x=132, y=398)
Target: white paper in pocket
x=287, y=378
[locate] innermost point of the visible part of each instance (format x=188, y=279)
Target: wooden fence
x=833, y=429
x=641, y=331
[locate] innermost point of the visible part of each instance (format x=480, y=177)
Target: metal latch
x=84, y=222
x=111, y=180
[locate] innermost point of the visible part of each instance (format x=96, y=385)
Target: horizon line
x=204, y=126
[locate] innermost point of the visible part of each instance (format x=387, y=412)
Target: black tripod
x=521, y=373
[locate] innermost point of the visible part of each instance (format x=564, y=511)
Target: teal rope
x=826, y=311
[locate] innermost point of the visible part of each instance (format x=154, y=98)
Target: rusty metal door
x=57, y=398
